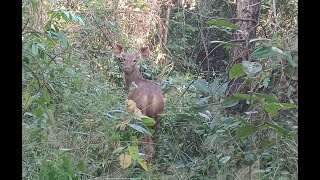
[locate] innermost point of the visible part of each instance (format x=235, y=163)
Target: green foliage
x=74, y=122
x=236, y=71
x=66, y=16
x=61, y=168
x=261, y=105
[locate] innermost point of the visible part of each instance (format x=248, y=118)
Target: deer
x=147, y=94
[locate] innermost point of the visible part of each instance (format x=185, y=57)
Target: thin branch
x=25, y=24
x=34, y=75
x=109, y=43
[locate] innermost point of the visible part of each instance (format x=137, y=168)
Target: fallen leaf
x=143, y=164
x=125, y=161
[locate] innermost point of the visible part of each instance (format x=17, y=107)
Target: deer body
x=147, y=95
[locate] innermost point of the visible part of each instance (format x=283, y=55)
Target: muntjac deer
x=147, y=95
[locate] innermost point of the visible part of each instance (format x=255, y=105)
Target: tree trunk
x=247, y=17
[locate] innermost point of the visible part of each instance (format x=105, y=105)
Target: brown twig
x=25, y=24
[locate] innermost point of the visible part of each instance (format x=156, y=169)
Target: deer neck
x=133, y=76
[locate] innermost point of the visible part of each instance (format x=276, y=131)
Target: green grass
x=76, y=142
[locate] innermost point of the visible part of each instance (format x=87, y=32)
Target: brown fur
x=147, y=95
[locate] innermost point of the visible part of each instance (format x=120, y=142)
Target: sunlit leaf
x=290, y=60
x=201, y=85
x=236, y=71
x=133, y=150
x=267, y=51
x=251, y=68
x=273, y=108
x=139, y=128
x=267, y=97
x=115, y=137
x=280, y=130
x=147, y=121
x=266, y=82
x=224, y=159
x=245, y=131
x=143, y=164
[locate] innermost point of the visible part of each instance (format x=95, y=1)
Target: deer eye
x=135, y=61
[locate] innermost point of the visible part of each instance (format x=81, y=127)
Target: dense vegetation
x=224, y=118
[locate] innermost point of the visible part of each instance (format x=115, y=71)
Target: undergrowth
x=75, y=124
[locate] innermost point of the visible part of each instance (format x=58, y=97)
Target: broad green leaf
x=222, y=89
x=133, y=150
x=266, y=51
x=246, y=96
x=201, y=85
x=232, y=99
x=73, y=17
x=34, y=49
x=147, y=121
x=38, y=112
x=224, y=159
x=82, y=167
x=245, y=131
x=286, y=106
x=273, y=108
x=237, y=97
x=64, y=40
x=251, y=68
x=150, y=130
x=280, y=130
x=143, y=164
x=229, y=104
x=266, y=82
x=204, y=116
x=236, y=71
x=267, y=143
x=139, y=128
x=115, y=137
x=67, y=16
x=267, y=97
x=214, y=85
x=124, y=161
x=290, y=60
x=223, y=23
x=81, y=22
x=55, y=35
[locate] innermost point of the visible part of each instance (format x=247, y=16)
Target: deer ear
x=118, y=50
x=144, y=52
